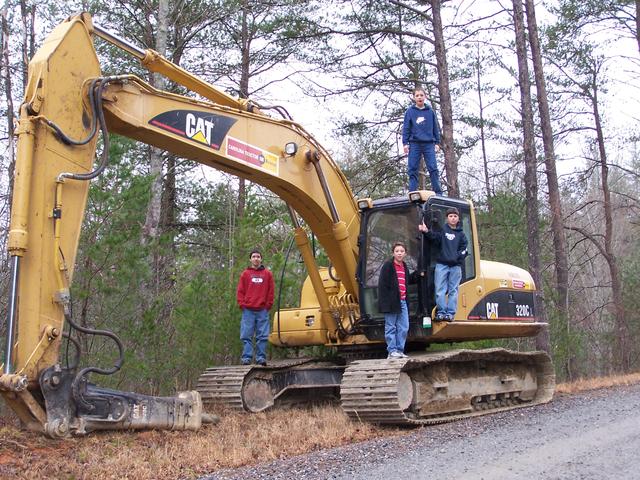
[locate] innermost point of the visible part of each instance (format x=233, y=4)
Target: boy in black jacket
x=453, y=250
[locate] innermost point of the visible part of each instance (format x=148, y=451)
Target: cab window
x=384, y=228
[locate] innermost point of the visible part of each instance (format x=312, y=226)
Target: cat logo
x=208, y=129
x=139, y=411
x=199, y=129
x=492, y=310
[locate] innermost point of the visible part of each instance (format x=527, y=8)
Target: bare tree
x=606, y=246
x=8, y=74
x=530, y=163
x=152, y=222
x=245, y=76
x=27, y=15
x=582, y=76
x=253, y=39
x=638, y=24
x=557, y=221
x=446, y=106
x=483, y=139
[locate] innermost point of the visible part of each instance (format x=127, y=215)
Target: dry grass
x=236, y=441
x=600, y=382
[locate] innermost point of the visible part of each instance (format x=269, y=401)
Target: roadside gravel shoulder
x=560, y=440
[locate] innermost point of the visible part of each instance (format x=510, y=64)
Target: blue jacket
x=420, y=125
x=453, y=245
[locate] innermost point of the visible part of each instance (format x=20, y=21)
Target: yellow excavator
x=68, y=102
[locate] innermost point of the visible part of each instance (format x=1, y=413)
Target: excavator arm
x=250, y=146
x=67, y=102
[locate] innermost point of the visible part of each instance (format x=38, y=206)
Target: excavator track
x=223, y=385
x=423, y=389
x=445, y=386
x=256, y=388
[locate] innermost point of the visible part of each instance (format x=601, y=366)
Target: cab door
x=434, y=215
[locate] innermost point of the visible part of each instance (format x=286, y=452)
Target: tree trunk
x=167, y=223
x=151, y=229
x=9, y=99
x=27, y=13
x=446, y=108
x=158, y=296
x=530, y=163
x=638, y=24
x=483, y=140
x=557, y=223
x=244, y=93
x=621, y=328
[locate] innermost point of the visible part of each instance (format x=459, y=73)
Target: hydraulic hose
x=96, y=91
x=64, y=138
x=75, y=386
x=96, y=98
x=78, y=351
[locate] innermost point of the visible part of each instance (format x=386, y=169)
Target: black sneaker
x=246, y=362
x=448, y=318
x=440, y=317
x=262, y=363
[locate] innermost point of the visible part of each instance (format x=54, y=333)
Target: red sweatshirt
x=255, y=289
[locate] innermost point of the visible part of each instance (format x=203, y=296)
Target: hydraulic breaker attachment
x=76, y=408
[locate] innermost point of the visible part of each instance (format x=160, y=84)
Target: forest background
x=540, y=130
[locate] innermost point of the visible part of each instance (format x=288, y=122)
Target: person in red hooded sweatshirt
x=255, y=298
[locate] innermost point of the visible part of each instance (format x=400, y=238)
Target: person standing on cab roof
x=421, y=138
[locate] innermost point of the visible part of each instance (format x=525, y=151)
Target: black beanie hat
x=451, y=210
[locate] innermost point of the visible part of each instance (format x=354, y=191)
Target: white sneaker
x=394, y=355
x=402, y=355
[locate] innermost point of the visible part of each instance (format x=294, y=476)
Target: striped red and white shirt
x=402, y=281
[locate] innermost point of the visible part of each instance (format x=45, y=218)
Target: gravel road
x=590, y=435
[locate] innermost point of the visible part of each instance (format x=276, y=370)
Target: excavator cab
x=397, y=219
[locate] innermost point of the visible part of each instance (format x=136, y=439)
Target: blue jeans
x=396, y=327
x=417, y=150
x=447, y=281
x=254, y=322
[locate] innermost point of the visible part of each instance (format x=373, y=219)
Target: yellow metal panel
x=298, y=327
x=55, y=88
x=463, y=331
